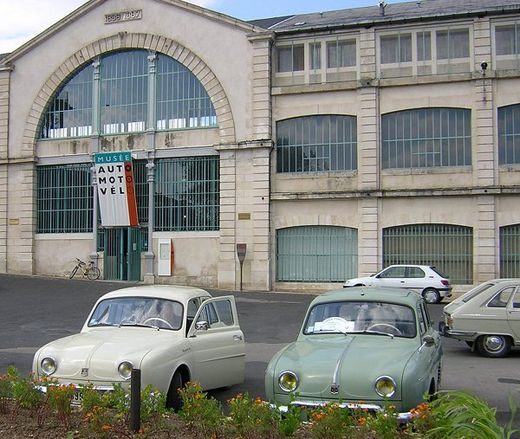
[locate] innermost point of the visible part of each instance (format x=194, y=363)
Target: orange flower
x=362, y=421
x=106, y=428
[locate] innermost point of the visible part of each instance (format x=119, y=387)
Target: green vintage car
x=364, y=347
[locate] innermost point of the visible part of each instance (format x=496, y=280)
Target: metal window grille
x=142, y=237
x=509, y=135
x=124, y=92
x=316, y=144
x=187, y=194
x=510, y=251
x=447, y=247
x=64, y=199
x=182, y=100
x=426, y=137
x=316, y=254
x=69, y=114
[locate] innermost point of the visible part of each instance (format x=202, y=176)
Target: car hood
x=352, y=362
x=96, y=354
x=367, y=281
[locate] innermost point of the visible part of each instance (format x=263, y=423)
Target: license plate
x=77, y=398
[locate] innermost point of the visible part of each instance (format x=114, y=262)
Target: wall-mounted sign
x=118, y=17
x=116, y=189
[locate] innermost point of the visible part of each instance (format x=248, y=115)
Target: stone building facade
x=331, y=144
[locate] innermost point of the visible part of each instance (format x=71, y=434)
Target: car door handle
x=237, y=338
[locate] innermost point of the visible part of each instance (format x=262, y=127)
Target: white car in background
x=425, y=279
x=172, y=334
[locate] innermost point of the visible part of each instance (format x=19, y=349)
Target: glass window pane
x=317, y=144
x=315, y=56
x=424, y=46
x=453, y=44
x=428, y=137
x=509, y=135
x=396, y=48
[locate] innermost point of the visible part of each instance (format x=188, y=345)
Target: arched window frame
x=317, y=143
x=164, y=95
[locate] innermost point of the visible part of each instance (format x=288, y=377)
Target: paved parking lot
x=35, y=311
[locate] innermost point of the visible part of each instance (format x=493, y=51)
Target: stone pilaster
x=368, y=236
x=485, y=240
x=4, y=138
x=484, y=150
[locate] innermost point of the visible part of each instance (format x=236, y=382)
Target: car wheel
x=493, y=345
x=173, y=399
x=431, y=295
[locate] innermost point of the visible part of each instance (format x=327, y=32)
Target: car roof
x=180, y=293
x=370, y=294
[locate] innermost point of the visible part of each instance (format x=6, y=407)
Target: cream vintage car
x=172, y=334
x=487, y=317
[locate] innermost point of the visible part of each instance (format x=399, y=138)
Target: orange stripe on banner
x=130, y=194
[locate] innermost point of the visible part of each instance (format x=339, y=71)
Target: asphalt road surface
x=35, y=310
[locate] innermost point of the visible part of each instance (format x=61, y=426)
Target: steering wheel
x=396, y=331
x=158, y=319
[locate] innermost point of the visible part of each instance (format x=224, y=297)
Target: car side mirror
x=201, y=325
x=428, y=340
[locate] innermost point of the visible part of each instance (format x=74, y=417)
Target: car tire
x=494, y=346
x=431, y=295
x=173, y=399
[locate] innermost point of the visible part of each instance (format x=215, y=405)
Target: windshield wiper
x=139, y=325
x=102, y=324
x=373, y=332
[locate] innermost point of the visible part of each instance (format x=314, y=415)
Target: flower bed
x=26, y=413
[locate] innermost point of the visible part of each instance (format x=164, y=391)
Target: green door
x=122, y=259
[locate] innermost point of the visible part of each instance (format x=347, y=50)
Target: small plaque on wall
x=244, y=216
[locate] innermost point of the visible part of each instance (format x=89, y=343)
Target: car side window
x=501, y=299
x=516, y=300
x=422, y=321
x=217, y=314
x=394, y=272
x=415, y=272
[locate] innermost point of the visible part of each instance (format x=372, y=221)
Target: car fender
x=271, y=372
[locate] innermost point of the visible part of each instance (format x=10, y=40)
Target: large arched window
x=316, y=144
x=509, y=135
x=122, y=89
x=316, y=254
x=447, y=247
x=510, y=251
x=426, y=138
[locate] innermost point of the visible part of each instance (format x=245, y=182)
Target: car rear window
x=475, y=292
x=436, y=270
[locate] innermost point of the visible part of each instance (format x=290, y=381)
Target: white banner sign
x=116, y=190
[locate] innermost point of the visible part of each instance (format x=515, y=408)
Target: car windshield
x=361, y=317
x=138, y=311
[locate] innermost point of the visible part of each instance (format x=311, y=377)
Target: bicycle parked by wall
x=90, y=271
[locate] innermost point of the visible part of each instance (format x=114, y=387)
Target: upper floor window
x=290, y=58
x=396, y=48
x=509, y=135
x=122, y=86
x=507, y=40
x=315, y=56
x=317, y=144
x=424, y=49
x=341, y=53
x=452, y=43
x=425, y=138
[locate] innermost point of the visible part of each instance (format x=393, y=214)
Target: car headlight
x=385, y=387
x=288, y=381
x=48, y=365
x=125, y=370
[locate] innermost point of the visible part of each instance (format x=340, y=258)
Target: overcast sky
x=21, y=20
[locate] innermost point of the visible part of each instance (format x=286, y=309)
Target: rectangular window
x=341, y=53
x=510, y=251
x=315, y=56
x=507, y=40
x=64, y=199
x=290, y=58
x=424, y=49
x=452, y=44
x=396, y=48
x=187, y=194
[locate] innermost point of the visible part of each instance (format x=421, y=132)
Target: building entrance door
x=122, y=259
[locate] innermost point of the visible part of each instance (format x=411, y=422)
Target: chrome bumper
x=453, y=333
x=374, y=408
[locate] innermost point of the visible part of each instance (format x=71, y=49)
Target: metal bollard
x=135, y=400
